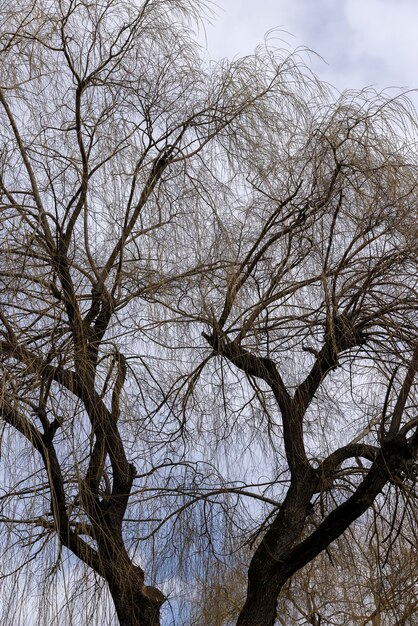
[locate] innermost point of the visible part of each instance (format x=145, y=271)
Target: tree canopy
x=208, y=315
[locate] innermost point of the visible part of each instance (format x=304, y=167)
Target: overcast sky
x=362, y=42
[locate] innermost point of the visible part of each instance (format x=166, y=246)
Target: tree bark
x=266, y=575
x=282, y=552
x=136, y=604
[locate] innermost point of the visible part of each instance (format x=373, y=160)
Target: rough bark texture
x=135, y=605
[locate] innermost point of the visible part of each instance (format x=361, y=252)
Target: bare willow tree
x=106, y=113
x=319, y=317
x=208, y=311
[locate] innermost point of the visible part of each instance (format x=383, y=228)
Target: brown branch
x=56, y=483
x=391, y=458
x=403, y=394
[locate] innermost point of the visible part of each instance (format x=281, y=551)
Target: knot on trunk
x=154, y=594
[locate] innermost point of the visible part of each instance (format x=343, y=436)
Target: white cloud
x=385, y=32
x=363, y=42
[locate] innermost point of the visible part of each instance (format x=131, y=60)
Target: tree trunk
x=136, y=606
x=269, y=568
x=281, y=553
x=260, y=608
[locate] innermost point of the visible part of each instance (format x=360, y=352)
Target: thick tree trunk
x=260, y=608
x=136, y=605
x=136, y=609
x=266, y=577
